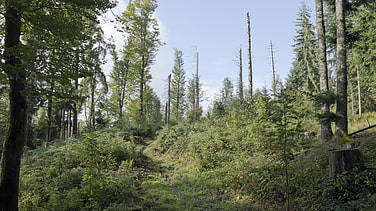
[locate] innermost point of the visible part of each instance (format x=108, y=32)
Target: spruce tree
x=178, y=87
x=304, y=74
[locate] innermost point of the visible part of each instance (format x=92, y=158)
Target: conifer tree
x=304, y=73
x=326, y=132
x=341, y=67
x=178, y=87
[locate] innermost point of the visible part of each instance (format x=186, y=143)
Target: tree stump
x=343, y=160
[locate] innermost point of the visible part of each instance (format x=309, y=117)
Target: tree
x=94, y=86
x=341, y=65
x=240, y=83
x=194, y=110
x=142, y=30
x=274, y=80
x=153, y=113
x=222, y=104
x=250, y=74
x=304, y=74
x=16, y=137
x=362, y=56
x=326, y=129
x=178, y=87
x=52, y=18
x=119, y=81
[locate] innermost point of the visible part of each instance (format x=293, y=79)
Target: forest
x=75, y=138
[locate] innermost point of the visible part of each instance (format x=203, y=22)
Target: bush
x=93, y=173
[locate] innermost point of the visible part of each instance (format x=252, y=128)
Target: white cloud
x=163, y=63
x=108, y=24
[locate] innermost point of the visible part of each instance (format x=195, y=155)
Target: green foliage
x=248, y=152
x=362, y=54
x=304, y=74
x=178, y=88
x=142, y=31
x=94, y=173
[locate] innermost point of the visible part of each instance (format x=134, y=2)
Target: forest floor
x=168, y=184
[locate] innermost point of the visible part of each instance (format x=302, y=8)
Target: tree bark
x=326, y=129
x=250, y=77
x=197, y=90
x=240, y=87
x=343, y=160
x=359, y=93
x=16, y=136
x=169, y=100
x=274, y=82
x=49, y=114
x=75, y=101
x=341, y=112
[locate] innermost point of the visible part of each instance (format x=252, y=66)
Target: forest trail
x=166, y=186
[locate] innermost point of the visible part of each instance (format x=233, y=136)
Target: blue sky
x=217, y=29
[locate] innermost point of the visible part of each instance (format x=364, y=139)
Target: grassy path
x=168, y=185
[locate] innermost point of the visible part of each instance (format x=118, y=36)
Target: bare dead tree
x=250, y=74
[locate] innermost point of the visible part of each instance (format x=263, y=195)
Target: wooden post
x=343, y=160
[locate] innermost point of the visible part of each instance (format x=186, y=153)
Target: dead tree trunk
x=240, y=86
x=274, y=82
x=168, y=111
x=343, y=160
x=250, y=78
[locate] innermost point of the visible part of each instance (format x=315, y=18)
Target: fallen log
x=364, y=129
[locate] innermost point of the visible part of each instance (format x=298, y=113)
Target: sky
x=217, y=29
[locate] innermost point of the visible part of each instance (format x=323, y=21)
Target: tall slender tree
x=142, y=30
x=197, y=89
x=341, y=67
x=304, y=74
x=240, y=82
x=250, y=74
x=326, y=132
x=178, y=87
x=119, y=80
x=274, y=80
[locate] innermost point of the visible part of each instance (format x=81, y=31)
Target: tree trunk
x=75, y=103
x=169, y=100
x=341, y=112
x=250, y=78
x=16, y=136
x=49, y=114
x=197, y=90
x=326, y=129
x=343, y=160
x=359, y=92
x=274, y=82
x=92, y=103
x=240, y=87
